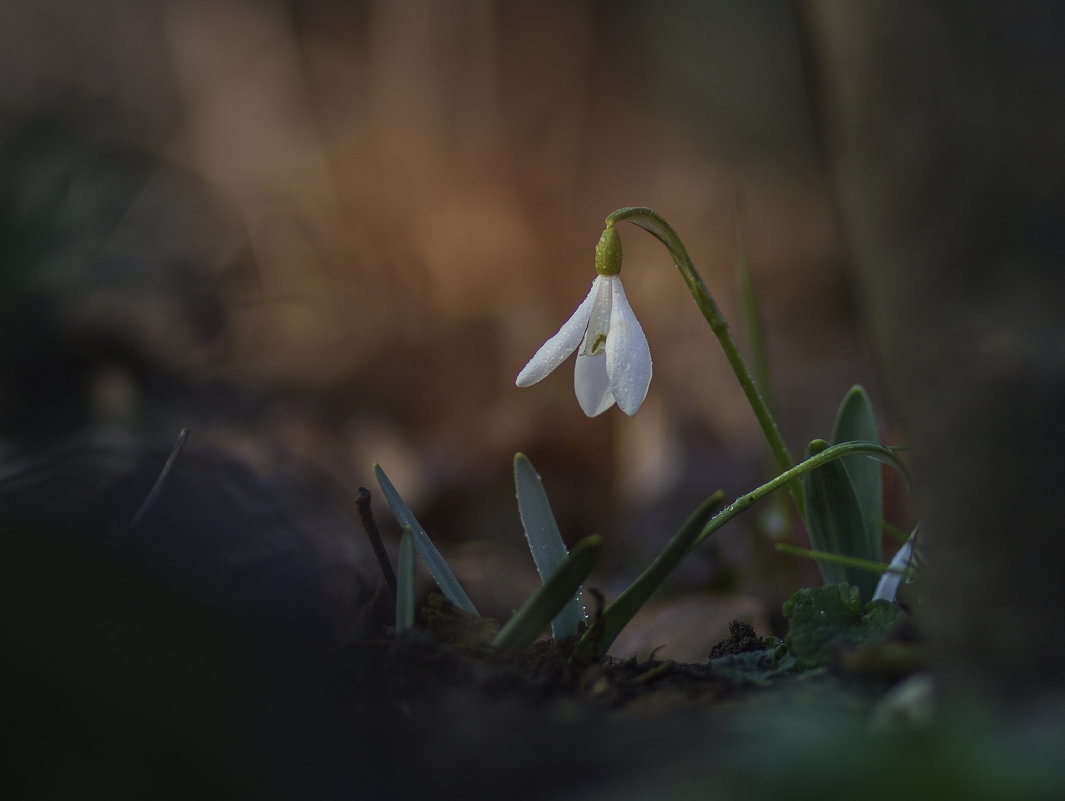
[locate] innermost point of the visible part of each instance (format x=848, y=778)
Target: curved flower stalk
x=604, y=325
x=613, y=358
x=656, y=225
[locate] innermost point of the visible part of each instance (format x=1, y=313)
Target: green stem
x=653, y=222
x=788, y=477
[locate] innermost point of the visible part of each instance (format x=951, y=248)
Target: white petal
x=555, y=351
x=628, y=357
x=599, y=321
x=888, y=586
x=592, y=384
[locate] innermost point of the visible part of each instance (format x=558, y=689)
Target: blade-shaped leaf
x=595, y=642
x=545, y=541
x=879, y=568
x=855, y=421
x=525, y=626
x=449, y=585
x=405, y=583
x=836, y=521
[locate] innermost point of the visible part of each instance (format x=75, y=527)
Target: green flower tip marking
x=613, y=358
x=608, y=252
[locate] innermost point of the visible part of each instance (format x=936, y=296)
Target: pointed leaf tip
x=433, y=559
x=545, y=541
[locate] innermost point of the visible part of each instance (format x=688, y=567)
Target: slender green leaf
x=601, y=635
x=836, y=522
x=449, y=585
x=840, y=559
x=405, y=583
x=545, y=540
x=855, y=421
x=543, y=605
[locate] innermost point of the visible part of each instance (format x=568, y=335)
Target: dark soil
x=195, y=655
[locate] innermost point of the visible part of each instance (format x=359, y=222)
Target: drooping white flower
x=613, y=358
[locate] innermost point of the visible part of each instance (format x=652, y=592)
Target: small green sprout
x=556, y=592
x=557, y=602
x=447, y=581
x=405, y=583
x=545, y=542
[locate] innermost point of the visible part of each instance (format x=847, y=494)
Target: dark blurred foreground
x=202, y=652
x=180, y=656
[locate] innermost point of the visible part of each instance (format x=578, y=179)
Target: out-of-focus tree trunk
x=944, y=126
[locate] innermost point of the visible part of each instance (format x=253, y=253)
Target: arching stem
x=653, y=222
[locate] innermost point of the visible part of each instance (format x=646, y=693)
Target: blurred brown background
x=327, y=234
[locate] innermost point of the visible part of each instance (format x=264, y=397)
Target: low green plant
x=836, y=489
x=556, y=603
x=821, y=619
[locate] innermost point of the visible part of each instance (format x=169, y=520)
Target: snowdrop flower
x=613, y=359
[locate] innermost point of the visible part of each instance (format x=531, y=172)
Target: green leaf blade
x=836, y=521
x=600, y=636
x=542, y=606
x=855, y=421
x=879, y=568
x=545, y=540
x=433, y=559
x=405, y=583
